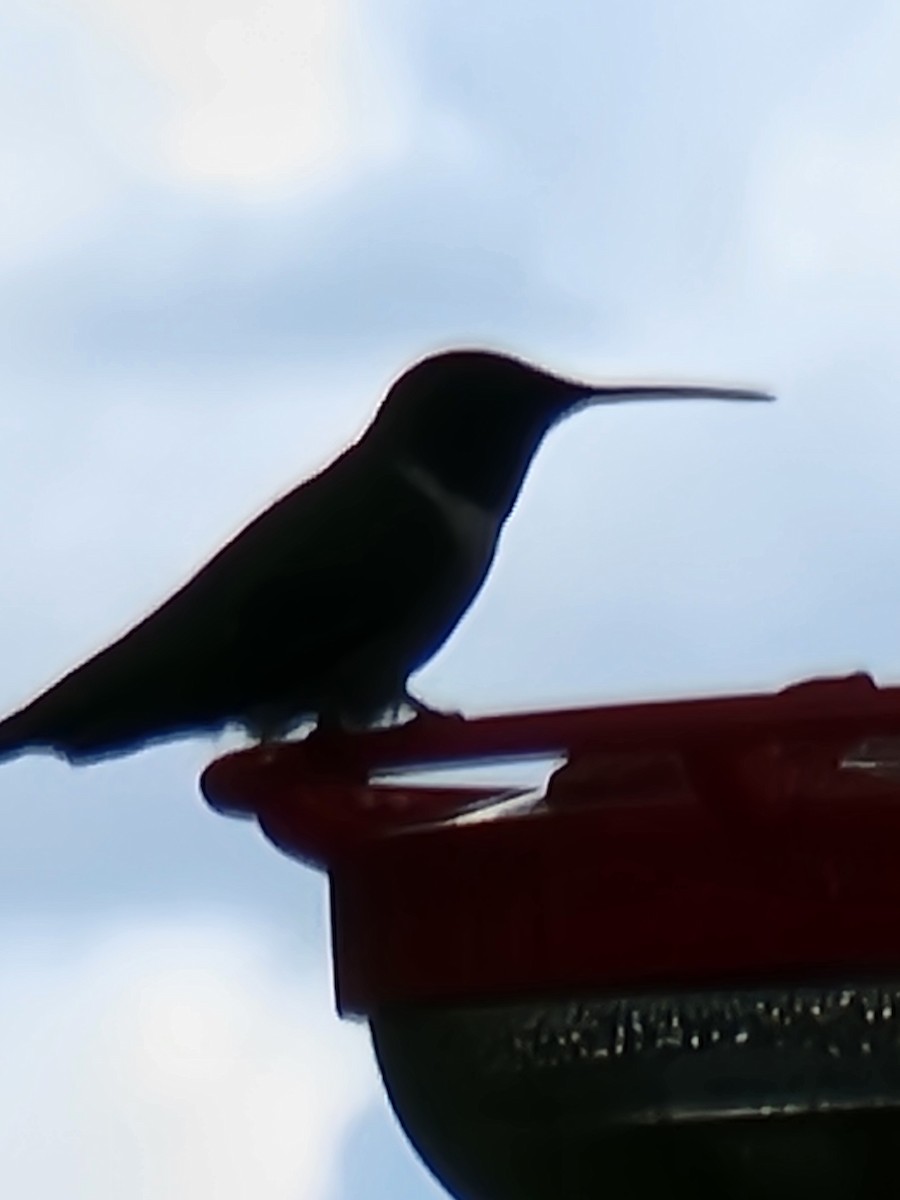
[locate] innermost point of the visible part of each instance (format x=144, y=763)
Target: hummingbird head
x=474, y=419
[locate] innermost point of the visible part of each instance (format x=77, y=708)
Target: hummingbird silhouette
x=323, y=605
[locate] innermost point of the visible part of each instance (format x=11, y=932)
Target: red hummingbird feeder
x=675, y=972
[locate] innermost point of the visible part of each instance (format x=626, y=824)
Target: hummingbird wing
x=348, y=562
x=376, y=591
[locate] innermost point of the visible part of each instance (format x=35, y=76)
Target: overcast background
x=224, y=226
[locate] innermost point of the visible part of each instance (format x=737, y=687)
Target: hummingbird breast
x=474, y=529
x=450, y=547
x=396, y=562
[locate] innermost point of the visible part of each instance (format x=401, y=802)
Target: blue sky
x=223, y=228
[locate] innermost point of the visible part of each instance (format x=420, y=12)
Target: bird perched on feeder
x=323, y=605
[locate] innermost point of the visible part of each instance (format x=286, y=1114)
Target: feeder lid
x=678, y=844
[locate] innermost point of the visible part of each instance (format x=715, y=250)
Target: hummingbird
x=322, y=606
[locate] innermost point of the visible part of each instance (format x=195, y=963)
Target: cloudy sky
x=223, y=227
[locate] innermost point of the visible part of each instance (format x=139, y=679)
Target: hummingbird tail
x=15, y=736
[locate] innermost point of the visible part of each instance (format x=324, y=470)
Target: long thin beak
x=621, y=391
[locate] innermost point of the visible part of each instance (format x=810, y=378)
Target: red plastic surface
x=683, y=843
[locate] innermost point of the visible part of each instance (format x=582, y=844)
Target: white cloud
x=262, y=92
x=57, y=176
x=828, y=205
x=176, y=1059
x=828, y=172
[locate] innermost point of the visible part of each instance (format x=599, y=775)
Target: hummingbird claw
x=424, y=712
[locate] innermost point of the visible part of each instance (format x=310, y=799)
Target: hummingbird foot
x=404, y=710
x=423, y=712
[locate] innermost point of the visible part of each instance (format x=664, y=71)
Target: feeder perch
x=675, y=973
